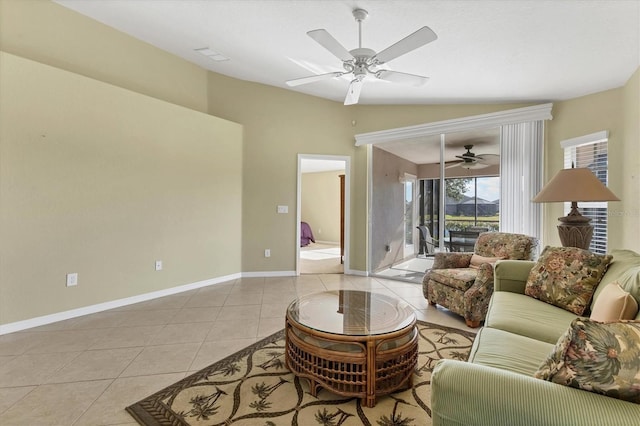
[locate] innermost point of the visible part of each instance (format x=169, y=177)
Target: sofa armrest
x=471, y=394
x=511, y=275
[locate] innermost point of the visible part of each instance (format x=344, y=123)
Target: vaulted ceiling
x=486, y=50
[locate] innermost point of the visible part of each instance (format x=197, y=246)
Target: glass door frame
x=410, y=226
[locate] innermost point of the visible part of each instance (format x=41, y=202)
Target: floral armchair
x=463, y=282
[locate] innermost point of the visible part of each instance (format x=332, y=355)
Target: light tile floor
x=86, y=370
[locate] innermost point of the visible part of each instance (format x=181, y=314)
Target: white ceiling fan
x=362, y=62
x=469, y=160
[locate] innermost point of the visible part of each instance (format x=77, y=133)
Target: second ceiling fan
x=469, y=160
x=362, y=62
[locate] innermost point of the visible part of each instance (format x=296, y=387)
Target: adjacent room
x=319, y=212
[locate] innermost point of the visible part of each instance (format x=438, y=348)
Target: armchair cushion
x=597, y=357
x=460, y=278
x=566, y=277
x=477, y=260
x=506, y=245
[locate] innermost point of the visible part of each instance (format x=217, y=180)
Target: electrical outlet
x=158, y=265
x=72, y=279
x=267, y=253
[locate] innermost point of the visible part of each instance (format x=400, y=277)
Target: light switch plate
x=283, y=209
x=72, y=279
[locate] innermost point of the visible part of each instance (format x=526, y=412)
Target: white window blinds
x=521, y=151
x=590, y=152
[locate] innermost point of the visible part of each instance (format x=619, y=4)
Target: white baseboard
x=92, y=309
x=267, y=274
x=356, y=272
x=333, y=243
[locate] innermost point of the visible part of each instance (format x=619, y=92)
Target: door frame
x=347, y=204
x=408, y=177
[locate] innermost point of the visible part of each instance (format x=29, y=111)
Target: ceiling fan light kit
x=363, y=62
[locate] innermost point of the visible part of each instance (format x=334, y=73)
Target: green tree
x=457, y=187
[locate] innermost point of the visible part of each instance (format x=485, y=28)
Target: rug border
x=143, y=417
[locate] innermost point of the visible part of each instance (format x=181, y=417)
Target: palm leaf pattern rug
x=254, y=387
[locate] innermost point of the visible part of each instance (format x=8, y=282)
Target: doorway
x=323, y=205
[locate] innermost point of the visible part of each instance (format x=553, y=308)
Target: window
x=591, y=152
x=470, y=202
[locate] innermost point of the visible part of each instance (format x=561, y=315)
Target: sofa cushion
x=508, y=351
x=614, y=304
x=597, y=357
x=566, y=277
x=630, y=282
x=526, y=316
x=460, y=278
x=624, y=268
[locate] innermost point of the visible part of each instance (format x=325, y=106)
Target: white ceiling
x=487, y=51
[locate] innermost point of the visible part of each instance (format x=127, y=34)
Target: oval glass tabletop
x=351, y=312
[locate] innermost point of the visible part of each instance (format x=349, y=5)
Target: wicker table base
x=364, y=366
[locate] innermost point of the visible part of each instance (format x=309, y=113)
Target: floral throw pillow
x=566, y=277
x=597, y=357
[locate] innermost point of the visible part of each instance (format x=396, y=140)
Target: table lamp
x=575, y=184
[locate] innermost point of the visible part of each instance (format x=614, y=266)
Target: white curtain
x=521, y=168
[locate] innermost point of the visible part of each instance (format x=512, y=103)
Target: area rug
x=254, y=387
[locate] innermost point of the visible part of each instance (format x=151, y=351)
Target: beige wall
x=387, y=208
x=278, y=125
x=320, y=204
x=103, y=181
x=432, y=171
x=611, y=110
x=51, y=34
x=630, y=195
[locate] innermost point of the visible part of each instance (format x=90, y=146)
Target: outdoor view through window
x=471, y=203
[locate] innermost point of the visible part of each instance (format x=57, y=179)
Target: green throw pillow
x=598, y=357
x=566, y=277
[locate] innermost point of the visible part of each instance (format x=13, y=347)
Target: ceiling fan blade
x=475, y=165
x=411, y=42
x=451, y=166
x=401, y=77
x=353, y=93
x=327, y=41
x=489, y=159
x=313, y=78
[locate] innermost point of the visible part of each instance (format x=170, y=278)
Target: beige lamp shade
x=575, y=185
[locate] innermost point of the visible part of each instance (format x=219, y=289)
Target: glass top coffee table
x=353, y=343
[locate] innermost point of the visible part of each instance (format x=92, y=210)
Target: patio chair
x=427, y=243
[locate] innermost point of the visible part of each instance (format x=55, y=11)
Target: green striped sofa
x=496, y=385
